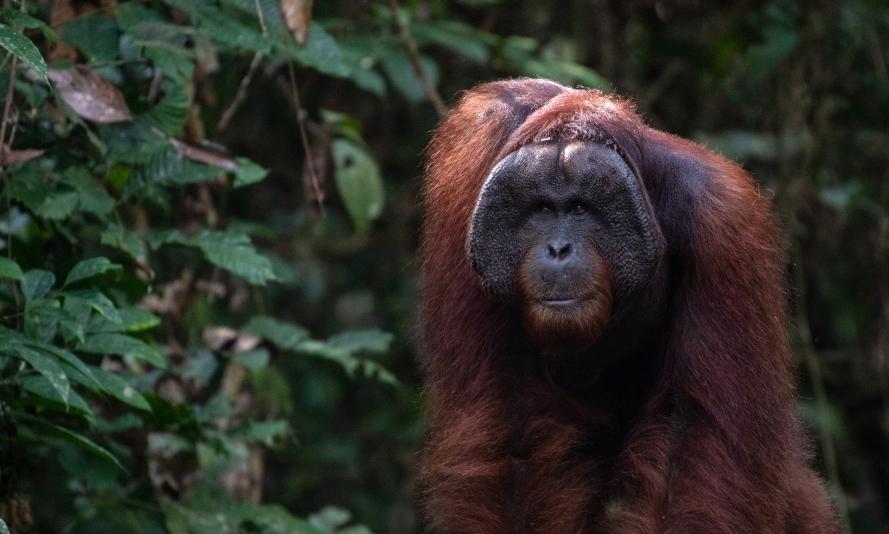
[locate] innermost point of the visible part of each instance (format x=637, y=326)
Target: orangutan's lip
x=562, y=303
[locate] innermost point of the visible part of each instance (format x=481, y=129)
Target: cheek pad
x=625, y=234
x=493, y=241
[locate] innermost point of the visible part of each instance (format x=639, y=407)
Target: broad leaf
x=37, y=283
x=23, y=49
x=10, y=269
x=90, y=268
x=50, y=430
x=125, y=346
x=358, y=182
x=282, y=334
x=44, y=365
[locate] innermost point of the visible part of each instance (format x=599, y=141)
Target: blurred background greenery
x=210, y=215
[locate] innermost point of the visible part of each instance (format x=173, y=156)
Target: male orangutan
x=604, y=338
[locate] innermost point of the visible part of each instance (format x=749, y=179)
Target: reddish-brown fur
x=696, y=435
x=575, y=328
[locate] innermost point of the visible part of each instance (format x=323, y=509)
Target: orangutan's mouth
x=563, y=302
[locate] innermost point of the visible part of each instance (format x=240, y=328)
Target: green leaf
x=456, y=36
x=169, y=167
x=400, y=71
x=42, y=317
x=253, y=359
x=170, y=113
x=37, y=283
x=97, y=301
x=91, y=195
x=358, y=182
x=132, y=142
x=361, y=55
x=320, y=52
x=231, y=251
x=74, y=438
x=84, y=375
x=44, y=365
x=131, y=320
x=95, y=35
x=225, y=30
x=22, y=48
x=352, y=365
x=118, y=388
x=10, y=269
x=58, y=205
x=90, y=268
x=248, y=173
x=375, y=341
x=40, y=387
x=20, y=20
x=3, y=528
x=215, y=514
x=282, y=334
x=124, y=240
x=123, y=345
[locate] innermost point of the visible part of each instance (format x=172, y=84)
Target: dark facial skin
x=564, y=231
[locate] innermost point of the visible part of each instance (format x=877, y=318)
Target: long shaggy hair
x=693, y=432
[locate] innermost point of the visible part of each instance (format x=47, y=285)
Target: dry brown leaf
x=223, y=337
x=205, y=155
x=10, y=156
x=297, y=16
x=217, y=337
x=89, y=95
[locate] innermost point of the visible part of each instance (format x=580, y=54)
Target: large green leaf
x=41, y=387
x=48, y=430
x=20, y=20
x=400, y=71
x=228, y=250
x=456, y=36
x=225, y=30
x=84, y=373
x=44, y=365
x=89, y=268
x=320, y=52
x=97, y=301
x=22, y=48
x=37, y=283
x=111, y=343
x=358, y=182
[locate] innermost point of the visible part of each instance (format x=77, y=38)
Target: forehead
x=576, y=165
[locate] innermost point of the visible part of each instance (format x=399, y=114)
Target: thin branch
x=413, y=54
x=241, y=95
x=265, y=30
x=301, y=123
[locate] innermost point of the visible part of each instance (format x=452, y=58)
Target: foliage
x=207, y=276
